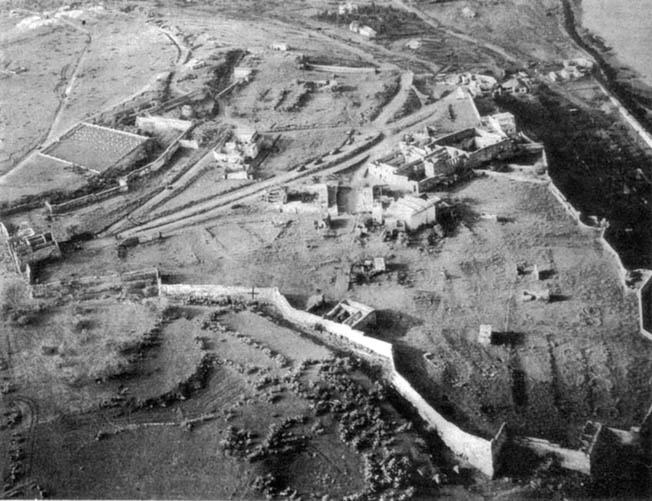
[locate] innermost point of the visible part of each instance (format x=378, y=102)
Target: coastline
x=635, y=115
x=622, y=217
x=607, y=73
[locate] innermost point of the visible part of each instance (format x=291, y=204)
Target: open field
x=22, y=125
x=125, y=57
x=281, y=95
x=576, y=358
x=259, y=389
x=60, y=354
x=40, y=175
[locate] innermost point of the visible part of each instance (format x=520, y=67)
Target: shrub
x=15, y=296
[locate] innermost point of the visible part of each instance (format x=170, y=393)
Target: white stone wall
x=479, y=452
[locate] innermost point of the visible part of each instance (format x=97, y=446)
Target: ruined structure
x=351, y=313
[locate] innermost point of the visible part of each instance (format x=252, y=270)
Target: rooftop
x=455, y=112
x=414, y=203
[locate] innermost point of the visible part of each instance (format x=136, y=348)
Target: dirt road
x=397, y=102
x=209, y=209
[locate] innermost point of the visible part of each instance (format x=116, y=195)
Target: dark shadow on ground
x=392, y=324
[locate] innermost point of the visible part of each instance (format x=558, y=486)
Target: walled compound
x=428, y=158
x=24, y=249
x=598, y=441
x=98, y=149
x=482, y=453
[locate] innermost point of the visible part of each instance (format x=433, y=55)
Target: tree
x=14, y=295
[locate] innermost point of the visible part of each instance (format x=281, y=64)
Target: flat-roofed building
x=413, y=212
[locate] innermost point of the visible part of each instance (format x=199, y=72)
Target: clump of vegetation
x=15, y=298
x=94, y=341
x=389, y=473
x=237, y=442
x=386, y=94
x=411, y=104
x=387, y=21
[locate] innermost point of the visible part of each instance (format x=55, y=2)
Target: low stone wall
x=76, y=203
x=96, y=284
x=482, y=453
x=341, y=69
x=454, y=137
x=20, y=207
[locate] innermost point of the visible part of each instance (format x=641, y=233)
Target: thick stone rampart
x=480, y=452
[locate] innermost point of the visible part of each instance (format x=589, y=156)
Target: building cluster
x=475, y=83
x=423, y=160
x=469, y=13
x=347, y=8
x=520, y=83
x=364, y=30
x=397, y=186
x=572, y=70
x=236, y=154
x=330, y=84
x=478, y=84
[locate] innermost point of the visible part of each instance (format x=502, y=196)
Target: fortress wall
x=572, y=211
x=622, y=271
x=568, y=458
x=478, y=451
x=645, y=310
x=483, y=454
x=490, y=152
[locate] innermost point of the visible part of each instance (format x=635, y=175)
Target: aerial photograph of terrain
x=324, y=249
